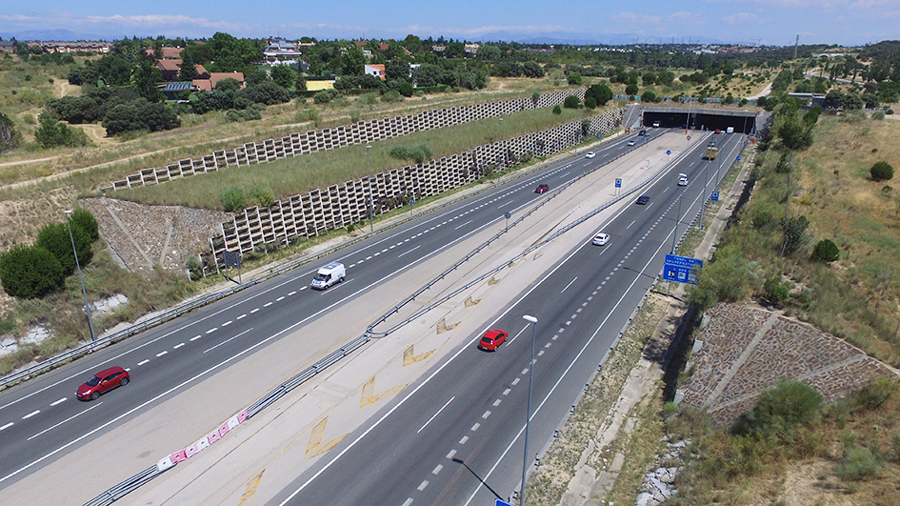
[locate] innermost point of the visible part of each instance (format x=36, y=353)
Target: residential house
x=75, y=47
x=8, y=46
x=472, y=49
x=171, y=68
x=167, y=53
x=279, y=51
x=210, y=82
x=376, y=70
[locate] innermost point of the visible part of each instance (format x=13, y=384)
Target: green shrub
x=30, y=271
x=194, y=267
x=882, y=171
x=234, y=200
x=777, y=292
x=874, y=394
x=263, y=197
x=406, y=89
x=826, y=251
x=571, y=102
x=326, y=96
x=419, y=153
x=392, y=96
x=858, y=464
x=786, y=406
x=557, y=109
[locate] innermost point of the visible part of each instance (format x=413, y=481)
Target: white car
x=590, y=154
x=632, y=142
x=656, y=124
x=682, y=181
x=600, y=239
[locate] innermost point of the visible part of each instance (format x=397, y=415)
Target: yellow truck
x=711, y=152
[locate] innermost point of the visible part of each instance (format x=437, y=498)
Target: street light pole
x=533, y=321
x=705, y=184
x=499, y=135
x=371, y=206
x=87, y=306
x=677, y=219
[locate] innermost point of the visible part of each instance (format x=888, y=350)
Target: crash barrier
x=361, y=132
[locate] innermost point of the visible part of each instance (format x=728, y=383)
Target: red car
x=102, y=382
x=492, y=339
x=542, y=188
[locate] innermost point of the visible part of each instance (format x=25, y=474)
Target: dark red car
x=492, y=339
x=102, y=382
x=542, y=188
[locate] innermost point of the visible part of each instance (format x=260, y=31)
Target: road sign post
x=681, y=269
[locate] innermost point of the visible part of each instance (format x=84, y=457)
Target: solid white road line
x=66, y=420
x=229, y=339
x=436, y=414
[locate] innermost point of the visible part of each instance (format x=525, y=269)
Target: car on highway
x=717, y=132
x=492, y=339
x=712, y=143
x=682, y=180
x=656, y=124
x=642, y=133
x=103, y=382
x=632, y=142
x=590, y=154
x=600, y=239
x=643, y=199
x=541, y=188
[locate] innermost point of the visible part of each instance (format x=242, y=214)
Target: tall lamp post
x=87, y=306
x=499, y=135
x=371, y=206
x=677, y=219
x=533, y=321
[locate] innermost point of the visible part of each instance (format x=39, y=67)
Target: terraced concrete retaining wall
x=361, y=132
x=316, y=212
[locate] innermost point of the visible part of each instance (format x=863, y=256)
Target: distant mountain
x=586, y=39
x=61, y=35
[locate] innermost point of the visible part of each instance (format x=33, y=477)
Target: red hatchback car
x=492, y=339
x=541, y=188
x=102, y=382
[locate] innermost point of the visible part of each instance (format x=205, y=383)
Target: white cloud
x=680, y=18
x=740, y=17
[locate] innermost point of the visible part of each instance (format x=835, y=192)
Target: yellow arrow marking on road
x=315, y=446
x=493, y=281
x=410, y=359
x=370, y=397
x=469, y=302
x=251, y=489
x=443, y=327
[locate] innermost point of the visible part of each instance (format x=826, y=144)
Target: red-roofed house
x=376, y=70
x=168, y=53
x=214, y=77
x=171, y=68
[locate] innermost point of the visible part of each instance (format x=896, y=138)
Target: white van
x=729, y=130
x=331, y=274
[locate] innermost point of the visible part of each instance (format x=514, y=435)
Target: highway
x=41, y=421
x=456, y=436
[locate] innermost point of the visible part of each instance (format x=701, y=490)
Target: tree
x=793, y=234
x=353, y=61
x=396, y=69
x=834, y=99
x=228, y=84
x=649, y=96
x=284, y=76
x=188, y=69
x=9, y=137
x=574, y=78
x=140, y=115
x=533, y=70
x=231, y=54
x=267, y=93
x=881, y=171
x=571, y=102
x=783, y=408
x=300, y=83
x=825, y=251
x=601, y=94
x=30, y=271
x=53, y=133
x=631, y=89
x=55, y=239
x=145, y=79
x=406, y=89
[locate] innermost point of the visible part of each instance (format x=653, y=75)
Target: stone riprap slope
x=744, y=350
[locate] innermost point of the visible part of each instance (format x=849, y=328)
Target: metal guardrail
x=122, y=489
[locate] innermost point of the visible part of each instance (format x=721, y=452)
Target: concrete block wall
x=319, y=211
x=361, y=132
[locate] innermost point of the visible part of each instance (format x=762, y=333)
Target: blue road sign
x=500, y=502
x=618, y=182
x=680, y=269
x=668, y=151
x=714, y=196
x=739, y=158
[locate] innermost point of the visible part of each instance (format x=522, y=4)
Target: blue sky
x=771, y=22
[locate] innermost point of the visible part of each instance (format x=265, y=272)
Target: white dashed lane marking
x=437, y=469
x=242, y=316
x=507, y=391
x=195, y=338
x=497, y=403
x=475, y=427
x=210, y=331
x=408, y=501
x=292, y=293
x=161, y=354
x=279, y=299
x=451, y=454
x=229, y=322
x=255, y=310
x=422, y=485
x=515, y=381
x=463, y=440
x=10, y=424
x=179, y=345
x=142, y=362
x=29, y=415
x=56, y=403
x=267, y=304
